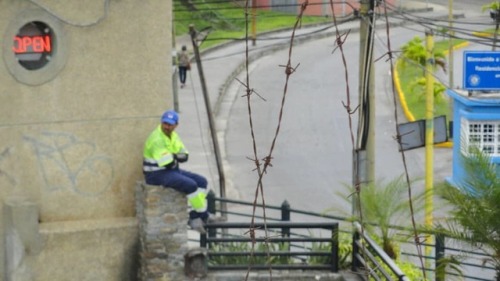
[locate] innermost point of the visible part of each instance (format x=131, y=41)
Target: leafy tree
x=415, y=52
x=418, y=88
x=475, y=214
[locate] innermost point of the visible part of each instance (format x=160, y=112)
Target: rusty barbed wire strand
x=261, y=165
x=261, y=170
x=248, y=95
x=356, y=197
x=418, y=244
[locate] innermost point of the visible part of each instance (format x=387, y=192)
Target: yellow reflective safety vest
x=159, y=150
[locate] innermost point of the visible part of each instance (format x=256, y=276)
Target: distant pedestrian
x=184, y=65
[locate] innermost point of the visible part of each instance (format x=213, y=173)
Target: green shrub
x=345, y=251
x=249, y=259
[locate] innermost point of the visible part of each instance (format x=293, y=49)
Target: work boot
x=197, y=224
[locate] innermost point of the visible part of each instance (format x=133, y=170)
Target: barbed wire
x=262, y=163
x=418, y=244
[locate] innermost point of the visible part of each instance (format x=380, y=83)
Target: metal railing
x=472, y=262
x=223, y=246
x=364, y=253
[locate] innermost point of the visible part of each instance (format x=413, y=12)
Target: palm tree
x=475, y=214
x=384, y=205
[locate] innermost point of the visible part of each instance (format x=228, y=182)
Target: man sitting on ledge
x=163, y=151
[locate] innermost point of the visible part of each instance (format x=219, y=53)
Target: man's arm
x=181, y=157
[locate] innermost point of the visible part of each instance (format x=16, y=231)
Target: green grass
x=227, y=20
x=491, y=31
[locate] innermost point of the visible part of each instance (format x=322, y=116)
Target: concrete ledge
x=88, y=250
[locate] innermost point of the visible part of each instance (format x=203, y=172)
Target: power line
x=439, y=26
x=262, y=7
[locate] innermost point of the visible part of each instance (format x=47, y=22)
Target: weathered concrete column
x=22, y=239
x=162, y=215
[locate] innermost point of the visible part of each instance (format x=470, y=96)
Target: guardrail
x=472, y=262
x=284, y=258
x=365, y=248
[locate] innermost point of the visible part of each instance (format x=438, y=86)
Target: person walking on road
x=184, y=65
x=163, y=151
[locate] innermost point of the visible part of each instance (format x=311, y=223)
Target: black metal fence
x=364, y=257
x=470, y=261
x=291, y=247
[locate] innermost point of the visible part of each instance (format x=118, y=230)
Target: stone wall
x=162, y=216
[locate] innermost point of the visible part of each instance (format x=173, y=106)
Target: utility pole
x=364, y=152
x=366, y=132
x=429, y=136
x=211, y=122
x=175, y=71
x=451, y=34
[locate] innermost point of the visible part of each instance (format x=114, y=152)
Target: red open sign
x=32, y=44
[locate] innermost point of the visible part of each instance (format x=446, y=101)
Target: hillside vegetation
x=226, y=21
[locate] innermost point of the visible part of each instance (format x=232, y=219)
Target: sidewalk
x=221, y=66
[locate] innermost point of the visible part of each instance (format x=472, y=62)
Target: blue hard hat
x=171, y=117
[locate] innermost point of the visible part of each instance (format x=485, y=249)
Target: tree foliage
x=475, y=214
x=383, y=205
x=414, y=52
x=495, y=5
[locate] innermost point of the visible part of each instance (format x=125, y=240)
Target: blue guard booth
x=476, y=121
x=476, y=110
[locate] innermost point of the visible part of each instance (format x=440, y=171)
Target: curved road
x=312, y=158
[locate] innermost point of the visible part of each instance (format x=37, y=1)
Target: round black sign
x=33, y=45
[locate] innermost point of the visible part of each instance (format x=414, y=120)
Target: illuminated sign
x=32, y=45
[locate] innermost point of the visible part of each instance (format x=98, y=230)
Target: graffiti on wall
x=67, y=162
x=4, y=174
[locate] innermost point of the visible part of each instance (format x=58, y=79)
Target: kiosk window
x=482, y=134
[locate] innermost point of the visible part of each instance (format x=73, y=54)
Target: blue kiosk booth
x=476, y=111
x=476, y=121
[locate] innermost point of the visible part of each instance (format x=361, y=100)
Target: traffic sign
x=481, y=70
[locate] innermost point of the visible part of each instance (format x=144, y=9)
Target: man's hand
x=181, y=157
x=172, y=165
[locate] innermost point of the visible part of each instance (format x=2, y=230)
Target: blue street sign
x=481, y=70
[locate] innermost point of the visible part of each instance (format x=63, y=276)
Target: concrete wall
x=71, y=133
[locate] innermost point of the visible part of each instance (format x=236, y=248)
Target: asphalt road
x=312, y=156
x=311, y=159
